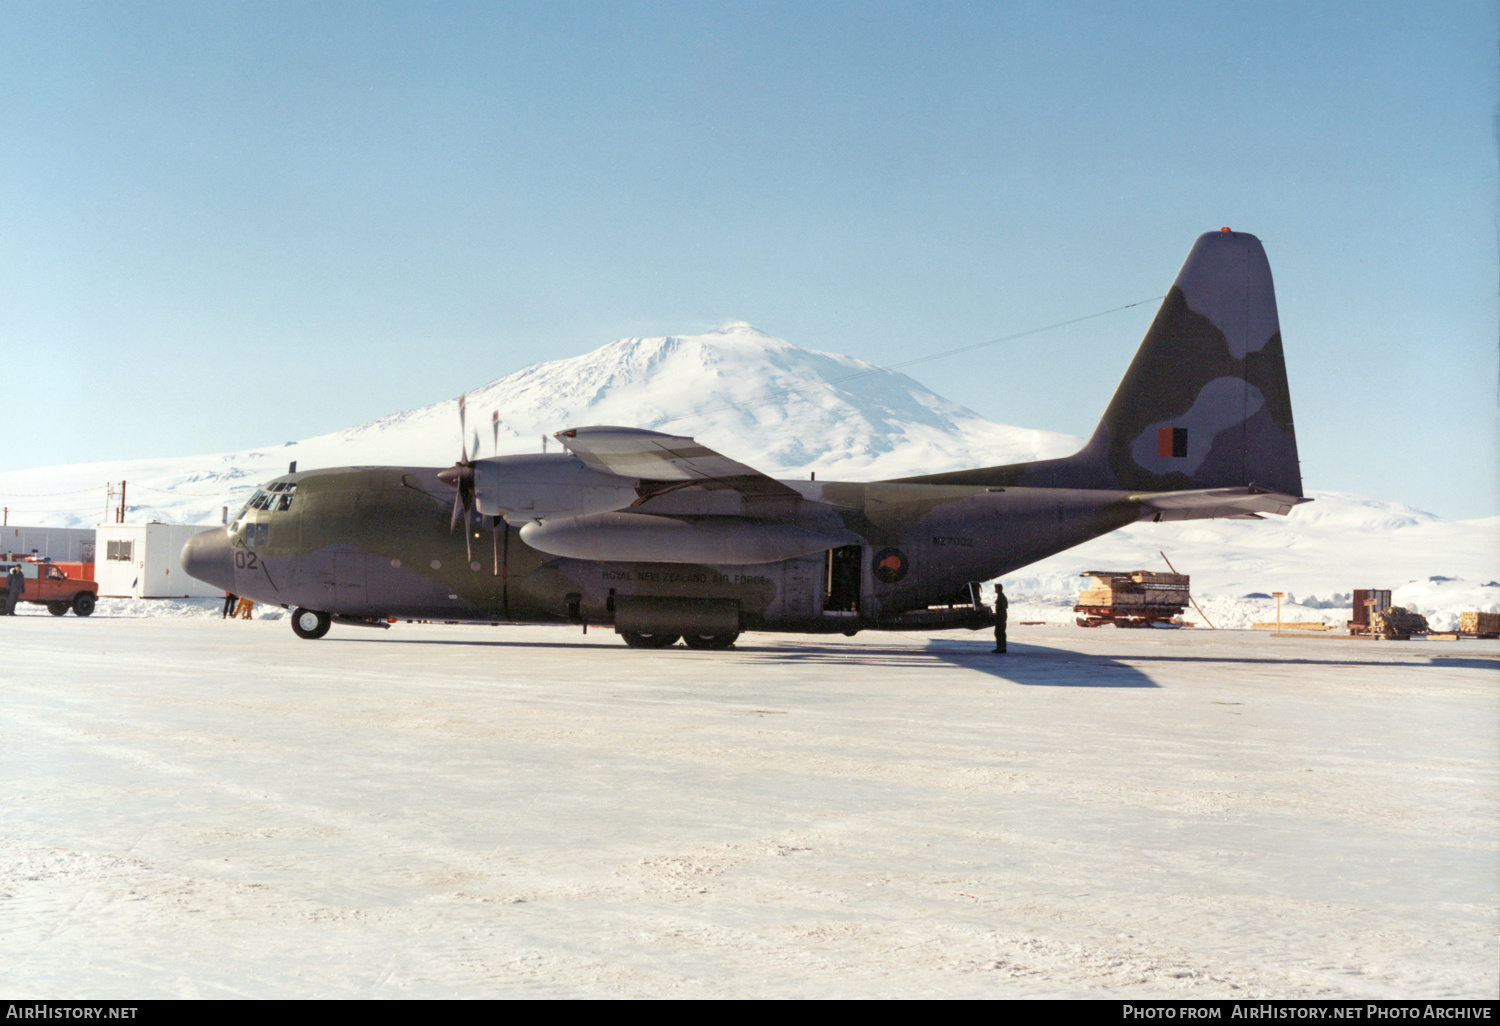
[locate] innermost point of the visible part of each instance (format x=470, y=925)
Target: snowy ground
x=198, y=807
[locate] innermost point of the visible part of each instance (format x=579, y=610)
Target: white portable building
x=145, y=561
x=62, y=544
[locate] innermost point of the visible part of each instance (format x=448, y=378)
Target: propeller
x=460, y=477
x=495, y=520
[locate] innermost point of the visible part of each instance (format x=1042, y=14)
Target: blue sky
x=231, y=225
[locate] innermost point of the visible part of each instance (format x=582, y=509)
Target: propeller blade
x=462, y=430
x=468, y=534
x=459, y=477
x=495, y=428
x=495, y=537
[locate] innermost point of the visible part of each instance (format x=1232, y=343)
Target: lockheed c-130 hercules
x=662, y=538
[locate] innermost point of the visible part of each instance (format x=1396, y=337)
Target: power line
x=73, y=509
x=134, y=484
x=191, y=495
x=908, y=363
x=44, y=495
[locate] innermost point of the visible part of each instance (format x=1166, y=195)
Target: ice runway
x=204, y=808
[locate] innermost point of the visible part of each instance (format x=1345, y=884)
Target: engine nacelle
x=522, y=488
x=637, y=537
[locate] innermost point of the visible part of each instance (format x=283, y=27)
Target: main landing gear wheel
x=710, y=640
x=57, y=608
x=310, y=624
x=635, y=640
x=83, y=603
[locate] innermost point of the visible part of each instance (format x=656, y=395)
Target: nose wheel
x=309, y=623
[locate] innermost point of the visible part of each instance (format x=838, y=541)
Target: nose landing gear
x=309, y=623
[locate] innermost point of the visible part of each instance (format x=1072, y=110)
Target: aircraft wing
x=1203, y=503
x=670, y=459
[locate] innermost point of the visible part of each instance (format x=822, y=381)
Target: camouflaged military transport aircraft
x=662, y=538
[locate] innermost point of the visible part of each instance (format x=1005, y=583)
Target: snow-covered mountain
x=790, y=411
x=776, y=406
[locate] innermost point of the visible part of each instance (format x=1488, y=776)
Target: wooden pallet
x=1289, y=625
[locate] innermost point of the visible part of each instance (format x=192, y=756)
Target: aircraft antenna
x=908, y=363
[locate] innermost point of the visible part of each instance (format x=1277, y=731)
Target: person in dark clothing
x=1000, y=607
x=230, y=600
x=15, y=583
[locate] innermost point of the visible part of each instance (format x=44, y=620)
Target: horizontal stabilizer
x=1205, y=503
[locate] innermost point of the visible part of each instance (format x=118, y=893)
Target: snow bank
x=118, y=608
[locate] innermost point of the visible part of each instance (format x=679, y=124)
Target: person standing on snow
x=15, y=583
x=1000, y=607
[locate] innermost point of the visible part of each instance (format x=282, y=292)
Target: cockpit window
x=234, y=525
x=275, y=497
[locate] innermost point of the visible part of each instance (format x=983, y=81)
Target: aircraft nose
x=208, y=557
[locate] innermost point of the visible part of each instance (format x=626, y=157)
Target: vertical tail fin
x=1205, y=402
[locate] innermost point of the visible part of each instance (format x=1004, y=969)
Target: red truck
x=47, y=585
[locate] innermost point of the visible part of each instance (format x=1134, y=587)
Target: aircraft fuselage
x=375, y=542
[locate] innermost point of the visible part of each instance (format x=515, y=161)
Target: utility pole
x=120, y=516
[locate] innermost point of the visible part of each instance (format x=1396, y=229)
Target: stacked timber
x=1482, y=624
x=1397, y=622
x=1134, y=599
x=1363, y=600
x=1140, y=588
